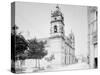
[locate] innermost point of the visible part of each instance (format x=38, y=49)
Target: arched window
x=55, y=29
x=55, y=18
x=61, y=30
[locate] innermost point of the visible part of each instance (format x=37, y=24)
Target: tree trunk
x=39, y=63
x=36, y=63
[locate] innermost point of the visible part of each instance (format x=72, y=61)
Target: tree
x=21, y=45
x=18, y=43
x=37, y=50
x=18, y=46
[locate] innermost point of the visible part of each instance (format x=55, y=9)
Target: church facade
x=60, y=48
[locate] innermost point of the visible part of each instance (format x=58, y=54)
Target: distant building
x=93, y=36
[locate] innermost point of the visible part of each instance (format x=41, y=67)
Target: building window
x=55, y=29
x=62, y=30
x=55, y=18
x=96, y=62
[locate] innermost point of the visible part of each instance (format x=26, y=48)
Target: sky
x=33, y=20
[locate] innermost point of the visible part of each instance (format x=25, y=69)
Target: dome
x=56, y=12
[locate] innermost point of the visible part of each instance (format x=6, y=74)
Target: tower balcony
x=57, y=21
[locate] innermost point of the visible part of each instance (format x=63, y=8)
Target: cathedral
x=60, y=48
x=36, y=50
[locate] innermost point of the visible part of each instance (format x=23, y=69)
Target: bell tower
x=57, y=23
x=57, y=38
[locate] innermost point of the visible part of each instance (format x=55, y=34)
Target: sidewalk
x=71, y=67
x=76, y=66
